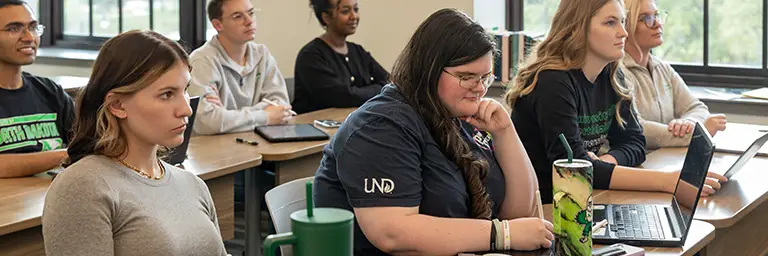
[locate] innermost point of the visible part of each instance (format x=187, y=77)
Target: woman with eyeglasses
x=430, y=166
x=667, y=109
x=571, y=85
x=330, y=71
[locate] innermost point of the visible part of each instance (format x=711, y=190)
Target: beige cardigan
x=660, y=96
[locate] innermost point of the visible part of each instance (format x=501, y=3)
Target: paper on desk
x=600, y=232
x=761, y=93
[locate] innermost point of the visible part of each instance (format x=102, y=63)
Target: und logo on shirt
x=383, y=185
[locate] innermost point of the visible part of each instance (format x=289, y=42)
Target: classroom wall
x=58, y=70
x=287, y=25
x=385, y=26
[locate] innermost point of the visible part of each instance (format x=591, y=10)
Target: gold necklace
x=142, y=173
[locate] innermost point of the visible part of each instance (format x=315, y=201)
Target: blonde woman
x=116, y=197
x=666, y=108
x=571, y=85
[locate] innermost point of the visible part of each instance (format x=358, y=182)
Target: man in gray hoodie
x=237, y=78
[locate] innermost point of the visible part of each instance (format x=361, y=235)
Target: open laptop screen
x=692, y=176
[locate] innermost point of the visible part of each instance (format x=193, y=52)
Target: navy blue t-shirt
x=384, y=155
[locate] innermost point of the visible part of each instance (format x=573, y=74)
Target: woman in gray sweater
x=666, y=107
x=116, y=197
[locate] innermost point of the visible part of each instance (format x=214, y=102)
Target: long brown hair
x=565, y=48
x=126, y=64
x=448, y=38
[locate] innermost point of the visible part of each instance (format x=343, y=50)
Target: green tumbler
x=316, y=231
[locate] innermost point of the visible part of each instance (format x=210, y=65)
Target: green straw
x=567, y=147
x=310, y=204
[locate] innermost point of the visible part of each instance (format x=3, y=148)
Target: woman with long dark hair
x=116, y=197
x=429, y=166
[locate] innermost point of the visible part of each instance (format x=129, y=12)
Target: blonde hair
x=126, y=64
x=564, y=48
x=632, y=7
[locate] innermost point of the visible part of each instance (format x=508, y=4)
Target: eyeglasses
x=651, y=21
x=469, y=82
x=18, y=30
x=240, y=16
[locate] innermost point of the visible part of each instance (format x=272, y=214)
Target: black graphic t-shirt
x=383, y=155
x=566, y=102
x=36, y=117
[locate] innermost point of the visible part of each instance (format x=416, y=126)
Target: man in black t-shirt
x=35, y=113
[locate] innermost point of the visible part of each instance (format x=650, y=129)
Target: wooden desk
x=291, y=161
x=737, y=210
x=22, y=199
x=294, y=160
x=71, y=84
x=700, y=235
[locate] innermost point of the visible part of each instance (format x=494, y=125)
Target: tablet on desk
x=290, y=132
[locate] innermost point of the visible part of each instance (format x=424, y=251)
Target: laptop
x=748, y=154
x=290, y=132
x=179, y=153
x=661, y=225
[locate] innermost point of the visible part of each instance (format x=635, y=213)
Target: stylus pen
x=249, y=142
x=599, y=225
x=275, y=104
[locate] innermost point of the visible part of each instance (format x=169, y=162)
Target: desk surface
x=282, y=151
x=699, y=236
x=726, y=95
x=738, y=197
x=71, y=84
x=22, y=199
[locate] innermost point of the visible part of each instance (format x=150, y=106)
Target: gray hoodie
x=241, y=92
x=660, y=96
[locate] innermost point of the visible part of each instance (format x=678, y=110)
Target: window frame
x=697, y=75
x=51, y=14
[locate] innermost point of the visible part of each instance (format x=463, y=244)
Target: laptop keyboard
x=636, y=221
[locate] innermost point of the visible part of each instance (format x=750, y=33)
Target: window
x=107, y=18
x=539, y=15
x=709, y=42
x=488, y=13
x=88, y=23
x=683, y=32
x=735, y=32
x=35, y=6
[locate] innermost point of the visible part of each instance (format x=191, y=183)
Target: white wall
x=287, y=25
x=385, y=26
x=57, y=70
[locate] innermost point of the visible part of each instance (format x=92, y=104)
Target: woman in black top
x=571, y=85
x=331, y=72
x=428, y=163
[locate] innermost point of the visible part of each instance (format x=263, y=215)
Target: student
x=446, y=160
x=236, y=76
x=116, y=197
x=666, y=108
x=35, y=113
x=571, y=85
x=331, y=72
